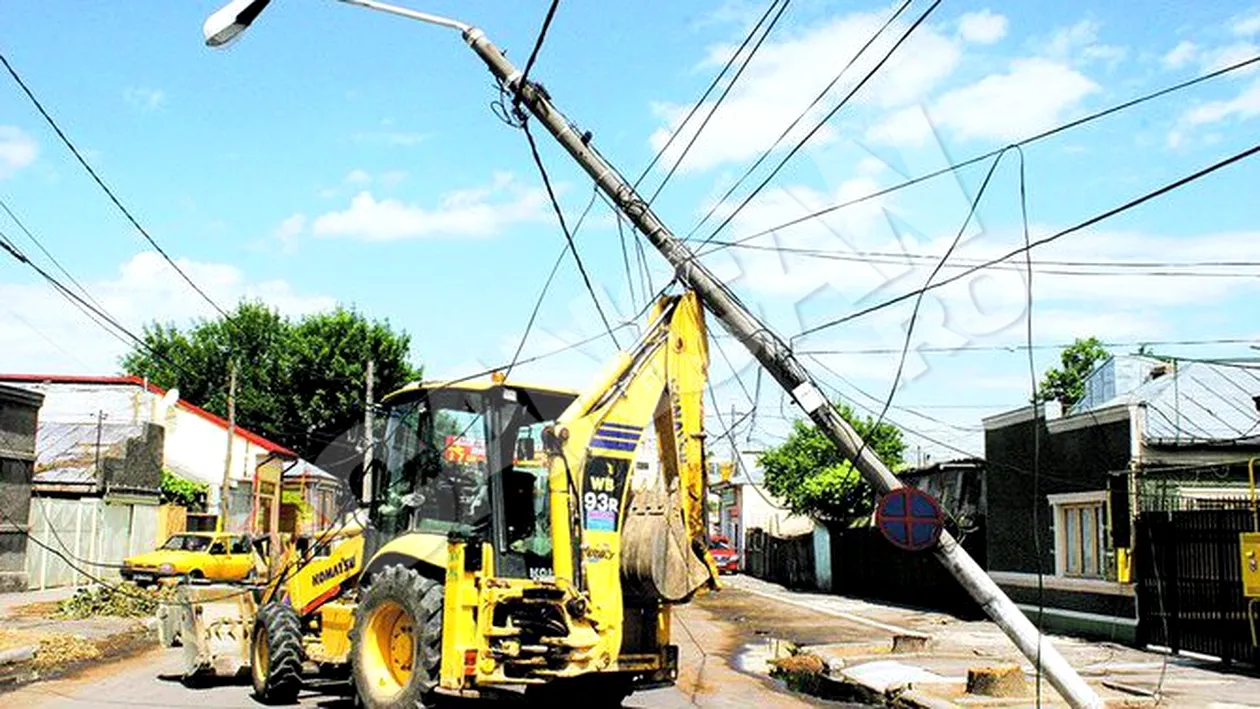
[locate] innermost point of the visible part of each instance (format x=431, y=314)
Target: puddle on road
x=755, y=658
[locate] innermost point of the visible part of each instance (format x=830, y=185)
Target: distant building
x=101, y=447
x=743, y=504
x=19, y=415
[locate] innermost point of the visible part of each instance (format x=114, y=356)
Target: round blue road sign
x=910, y=519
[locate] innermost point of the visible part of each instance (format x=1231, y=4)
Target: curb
x=18, y=654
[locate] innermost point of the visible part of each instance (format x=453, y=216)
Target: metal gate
x=1190, y=594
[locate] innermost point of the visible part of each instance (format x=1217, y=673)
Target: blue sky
x=335, y=155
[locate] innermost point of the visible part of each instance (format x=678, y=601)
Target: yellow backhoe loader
x=509, y=544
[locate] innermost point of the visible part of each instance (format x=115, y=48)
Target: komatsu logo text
x=333, y=571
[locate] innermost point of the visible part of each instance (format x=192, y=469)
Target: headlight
x=166, y=569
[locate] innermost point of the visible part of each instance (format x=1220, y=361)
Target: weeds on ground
x=124, y=601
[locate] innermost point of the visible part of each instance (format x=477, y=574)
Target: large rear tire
x=276, y=654
x=396, y=641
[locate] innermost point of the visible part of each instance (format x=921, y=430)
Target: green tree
x=812, y=477
x=299, y=383
x=1066, y=383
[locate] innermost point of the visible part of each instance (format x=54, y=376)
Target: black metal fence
x=1190, y=595
x=865, y=564
x=788, y=561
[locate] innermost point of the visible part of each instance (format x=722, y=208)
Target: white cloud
x=17, y=150
x=983, y=27
x=1079, y=43
x=289, y=232
x=1032, y=95
x=146, y=99
x=1222, y=57
x=45, y=333
x=474, y=212
x=1247, y=24
x=357, y=177
x=1245, y=105
x=787, y=74
x=1180, y=55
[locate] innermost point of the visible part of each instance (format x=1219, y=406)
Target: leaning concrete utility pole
x=776, y=357
x=782, y=364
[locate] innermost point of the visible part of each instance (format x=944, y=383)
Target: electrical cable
x=1036, y=415
x=796, y=121
x=902, y=259
x=721, y=98
x=1045, y=346
x=106, y=189
x=1100, y=217
x=39, y=245
x=818, y=126
x=555, y=205
x=730, y=61
x=1089, y=118
x=914, y=314
x=538, y=43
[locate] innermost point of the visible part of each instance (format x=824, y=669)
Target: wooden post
x=227, y=458
x=365, y=495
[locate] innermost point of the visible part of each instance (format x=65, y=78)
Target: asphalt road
x=722, y=639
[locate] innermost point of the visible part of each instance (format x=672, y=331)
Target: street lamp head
x=230, y=21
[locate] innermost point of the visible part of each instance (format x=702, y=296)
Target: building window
x=1080, y=521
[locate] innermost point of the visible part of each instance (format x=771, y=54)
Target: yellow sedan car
x=199, y=556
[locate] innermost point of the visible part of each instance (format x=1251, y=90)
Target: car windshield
x=718, y=544
x=187, y=542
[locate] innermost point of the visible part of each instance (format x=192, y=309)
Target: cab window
x=240, y=545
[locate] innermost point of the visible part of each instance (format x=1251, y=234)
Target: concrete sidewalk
x=936, y=675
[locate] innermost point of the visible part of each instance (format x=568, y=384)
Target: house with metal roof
x=100, y=450
x=1065, y=489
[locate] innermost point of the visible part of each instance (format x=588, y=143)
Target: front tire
x=396, y=640
x=276, y=654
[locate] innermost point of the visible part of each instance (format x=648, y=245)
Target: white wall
x=197, y=447
x=75, y=541
x=758, y=509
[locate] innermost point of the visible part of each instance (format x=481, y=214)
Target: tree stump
x=908, y=643
x=1000, y=681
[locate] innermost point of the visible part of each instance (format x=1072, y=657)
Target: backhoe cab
x=509, y=544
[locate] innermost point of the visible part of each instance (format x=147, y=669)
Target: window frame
x=1073, y=514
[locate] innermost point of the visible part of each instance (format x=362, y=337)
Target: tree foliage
x=811, y=476
x=178, y=491
x=300, y=382
x=1066, y=383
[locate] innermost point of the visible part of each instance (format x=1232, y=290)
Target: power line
x=39, y=245
x=106, y=189
x=568, y=237
x=818, y=126
x=718, y=104
x=1103, y=216
x=1017, y=347
x=538, y=43
x=918, y=301
x=796, y=121
x=1237, y=66
x=902, y=259
x=703, y=97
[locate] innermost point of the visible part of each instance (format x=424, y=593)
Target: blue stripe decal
x=613, y=445
x=624, y=435
x=625, y=426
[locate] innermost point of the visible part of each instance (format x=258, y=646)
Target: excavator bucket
x=658, y=553
x=214, y=625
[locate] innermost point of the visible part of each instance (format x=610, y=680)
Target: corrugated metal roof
x=1193, y=402
x=67, y=452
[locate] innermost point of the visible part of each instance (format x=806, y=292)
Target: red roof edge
x=128, y=380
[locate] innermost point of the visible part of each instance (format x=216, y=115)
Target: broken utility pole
x=778, y=359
